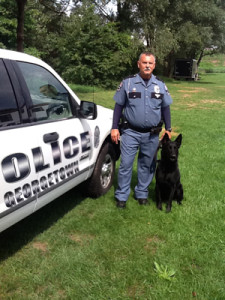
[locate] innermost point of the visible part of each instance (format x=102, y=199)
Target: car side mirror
x=87, y=110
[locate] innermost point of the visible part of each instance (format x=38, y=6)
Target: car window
x=9, y=114
x=50, y=99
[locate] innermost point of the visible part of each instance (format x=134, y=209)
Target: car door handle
x=50, y=137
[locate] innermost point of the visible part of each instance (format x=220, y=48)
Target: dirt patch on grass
x=202, y=104
x=186, y=95
x=152, y=243
x=191, y=105
x=135, y=292
x=213, y=101
x=193, y=90
x=62, y=294
x=188, y=92
x=81, y=238
x=41, y=246
x=153, y=239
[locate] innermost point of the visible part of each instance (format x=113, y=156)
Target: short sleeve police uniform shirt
x=142, y=103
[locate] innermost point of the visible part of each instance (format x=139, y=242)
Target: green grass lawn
x=84, y=249
x=213, y=63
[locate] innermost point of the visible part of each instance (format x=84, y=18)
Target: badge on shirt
x=157, y=91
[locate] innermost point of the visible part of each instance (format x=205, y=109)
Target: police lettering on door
x=17, y=166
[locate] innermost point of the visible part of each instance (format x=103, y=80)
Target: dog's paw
x=168, y=208
x=159, y=206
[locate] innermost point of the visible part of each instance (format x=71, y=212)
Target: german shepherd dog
x=168, y=185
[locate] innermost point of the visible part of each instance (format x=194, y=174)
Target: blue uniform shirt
x=142, y=103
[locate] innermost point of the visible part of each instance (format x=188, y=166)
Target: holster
x=157, y=129
x=122, y=124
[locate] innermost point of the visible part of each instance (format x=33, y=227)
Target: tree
x=44, y=25
x=177, y=28
x=200, y=25
x=13, y=10
x=94, y=45
x=20, y=24
x=8, y=24
x=93, y=51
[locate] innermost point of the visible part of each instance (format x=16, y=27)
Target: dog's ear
x=179, y=140
x=165, y=138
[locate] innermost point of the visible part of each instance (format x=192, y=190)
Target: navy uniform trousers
x=131, y=142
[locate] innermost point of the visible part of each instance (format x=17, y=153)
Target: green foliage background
x=91, y=46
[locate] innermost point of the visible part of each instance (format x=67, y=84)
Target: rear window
x=9, y=114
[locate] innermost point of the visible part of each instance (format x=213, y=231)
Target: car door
x=16, y=200
x=62, y=153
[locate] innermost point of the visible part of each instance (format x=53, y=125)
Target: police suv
x=50, y=140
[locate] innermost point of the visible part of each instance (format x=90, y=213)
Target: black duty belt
x=152, y=130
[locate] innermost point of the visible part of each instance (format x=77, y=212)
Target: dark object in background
x=186, y=69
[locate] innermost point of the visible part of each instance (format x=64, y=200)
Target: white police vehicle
x=50, y=140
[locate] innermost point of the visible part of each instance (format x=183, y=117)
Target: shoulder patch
x=121, y=84
x=167, y=90
x=119, y=87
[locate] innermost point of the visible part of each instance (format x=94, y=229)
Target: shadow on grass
x=17, y=236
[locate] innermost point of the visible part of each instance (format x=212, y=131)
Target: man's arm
x=115, y=135
x=167, y=119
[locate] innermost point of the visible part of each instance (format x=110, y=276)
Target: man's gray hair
x=147, y=53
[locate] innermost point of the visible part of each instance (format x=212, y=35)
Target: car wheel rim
x=106, y=172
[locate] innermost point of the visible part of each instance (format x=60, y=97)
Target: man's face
x=146, y=65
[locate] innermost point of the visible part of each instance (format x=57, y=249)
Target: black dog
x=168, y=185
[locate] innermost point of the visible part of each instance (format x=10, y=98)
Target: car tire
x=103, y=175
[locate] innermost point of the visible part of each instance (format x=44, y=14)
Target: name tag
x=134, y=95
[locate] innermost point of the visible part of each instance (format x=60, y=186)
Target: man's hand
x=115, y=135
x=168, y=132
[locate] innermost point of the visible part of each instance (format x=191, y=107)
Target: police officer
x=144, y=101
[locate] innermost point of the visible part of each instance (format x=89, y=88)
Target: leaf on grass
x=164, y=272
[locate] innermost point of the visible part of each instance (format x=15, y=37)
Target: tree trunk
x=200, y=57
x=20, y=24
x=169, y=65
